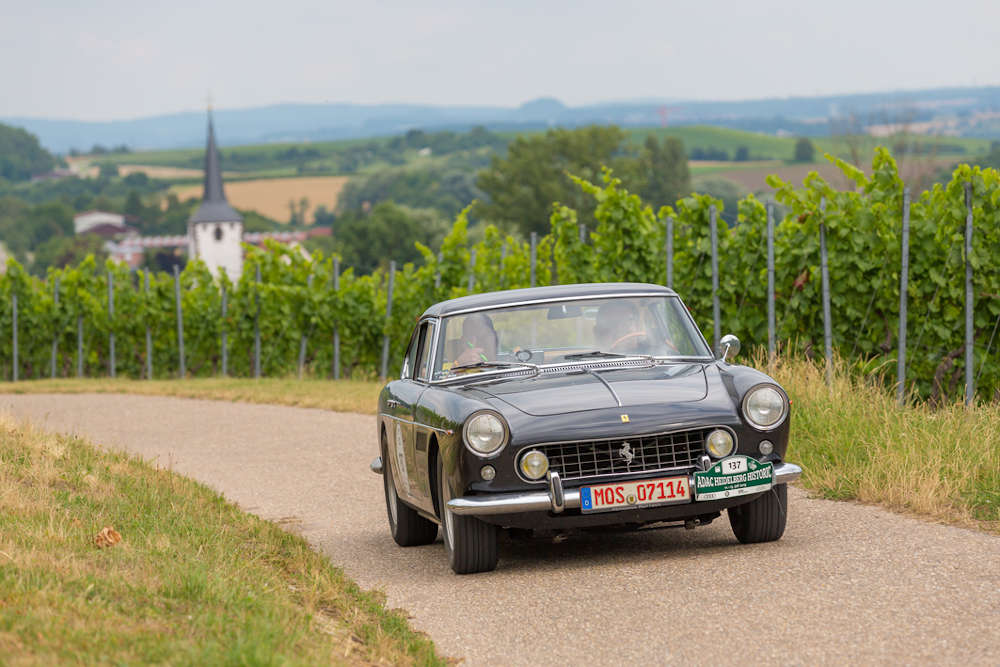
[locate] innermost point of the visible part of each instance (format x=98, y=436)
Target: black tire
x=762, y=519
x=471, y=544
x=408, y=528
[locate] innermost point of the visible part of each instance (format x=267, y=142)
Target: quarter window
x=424, y=356
x=410, y=360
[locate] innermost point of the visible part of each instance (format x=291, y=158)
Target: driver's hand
x=471, y=356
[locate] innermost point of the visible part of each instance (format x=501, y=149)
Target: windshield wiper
x=594, y=354
x=491, y=364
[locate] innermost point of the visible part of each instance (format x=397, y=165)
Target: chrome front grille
x=594, y=458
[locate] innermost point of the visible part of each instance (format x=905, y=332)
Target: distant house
x=84, y=222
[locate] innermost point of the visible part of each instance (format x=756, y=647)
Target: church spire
x=213, y=173
x=214, y=206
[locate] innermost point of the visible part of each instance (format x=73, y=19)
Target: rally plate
x=732, y=477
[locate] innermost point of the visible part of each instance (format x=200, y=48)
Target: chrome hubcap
x=447, y=515
x=390, y=494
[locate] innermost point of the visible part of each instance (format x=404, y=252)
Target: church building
x=215, y=230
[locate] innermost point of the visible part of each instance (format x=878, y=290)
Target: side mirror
x=729, y=346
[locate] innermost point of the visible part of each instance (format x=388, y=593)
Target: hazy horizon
x=638, y=101
x=110, y=60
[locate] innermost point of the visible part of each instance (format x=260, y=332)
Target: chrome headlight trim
x=505, y=438
x=732, y=443
x=784, y=406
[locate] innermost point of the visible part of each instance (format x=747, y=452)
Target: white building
x=84, y=222
x=215, y=230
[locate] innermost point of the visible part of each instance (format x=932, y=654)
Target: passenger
x=618, y=328
x=479, y=340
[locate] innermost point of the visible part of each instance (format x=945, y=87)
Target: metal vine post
x=55, y=334
x=336, y=326
x=825, y=278
x=904, y=277
x=180, y=322
x=256, y=324
x=388, y=319
x=713, y=230
x=111, y=325
x=970, y=382
x=771, y=333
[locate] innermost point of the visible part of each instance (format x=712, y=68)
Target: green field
x=765, y=146
x=369, y=155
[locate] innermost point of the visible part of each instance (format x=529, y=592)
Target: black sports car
x=576, y=406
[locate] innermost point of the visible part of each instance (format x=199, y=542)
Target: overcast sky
x=102, y=60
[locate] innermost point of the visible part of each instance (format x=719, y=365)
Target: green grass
x=194, y=580
x=854, y=443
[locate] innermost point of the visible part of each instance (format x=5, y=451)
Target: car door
x=403, y=396
x=421, y=431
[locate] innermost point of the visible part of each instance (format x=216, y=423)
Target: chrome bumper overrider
x=543, y=501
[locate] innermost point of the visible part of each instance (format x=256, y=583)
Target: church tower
x=215, y=230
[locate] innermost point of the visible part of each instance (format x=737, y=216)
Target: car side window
x=410, y=360
x=424, y=356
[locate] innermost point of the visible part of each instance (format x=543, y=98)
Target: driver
x=479, y=340
x=618, y=329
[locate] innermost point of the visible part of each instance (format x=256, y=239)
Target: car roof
x=515, y=297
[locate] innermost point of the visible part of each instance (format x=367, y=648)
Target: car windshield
x=566, y=332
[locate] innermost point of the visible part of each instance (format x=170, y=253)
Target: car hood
x=578, y=390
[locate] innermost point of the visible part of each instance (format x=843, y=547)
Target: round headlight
x=534, y=464
x=764, y=407
x=719, y=443
x=485, y=434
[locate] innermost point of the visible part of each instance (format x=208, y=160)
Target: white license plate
x=630, y=495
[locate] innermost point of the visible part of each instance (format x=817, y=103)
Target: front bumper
x=556, y=499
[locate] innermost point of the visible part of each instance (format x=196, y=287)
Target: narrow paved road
x=846, y=584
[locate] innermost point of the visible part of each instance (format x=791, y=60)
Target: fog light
x=765, y=447
x=719, y=443
x=534, y=464
x=488, y=472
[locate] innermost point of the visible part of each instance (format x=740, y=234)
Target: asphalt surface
x=846, y=584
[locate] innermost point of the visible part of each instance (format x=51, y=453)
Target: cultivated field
x=753, y=175
x=166, y=173
x=270, y=196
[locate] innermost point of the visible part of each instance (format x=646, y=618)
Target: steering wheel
x=634, y=336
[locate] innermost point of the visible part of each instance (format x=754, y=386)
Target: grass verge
x=194, y=580
x=853, y=442
x=337, y=395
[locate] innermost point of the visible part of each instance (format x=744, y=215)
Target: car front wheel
x=762, y=519
x=408, y=528
x=471, y=544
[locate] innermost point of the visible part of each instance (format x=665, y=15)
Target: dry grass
x=270, y=196
x=154, y=171
x=854, y=443
x=358, y=396
x=194, y=580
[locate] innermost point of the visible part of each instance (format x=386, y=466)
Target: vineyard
x=297, y=309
